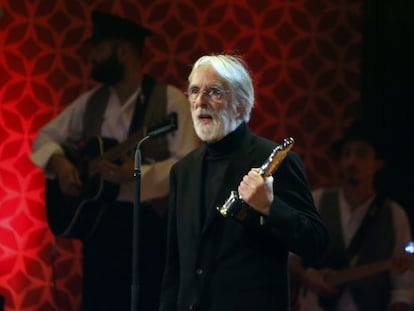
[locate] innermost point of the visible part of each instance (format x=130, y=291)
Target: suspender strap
x=97, y=102
x=354, y=246
x=137, y=121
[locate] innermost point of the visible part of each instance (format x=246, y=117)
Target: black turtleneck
x=215, y=164
x=228, y=144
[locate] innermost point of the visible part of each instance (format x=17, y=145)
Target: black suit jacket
x=225, y=265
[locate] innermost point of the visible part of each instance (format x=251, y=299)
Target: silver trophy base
x=234, y=207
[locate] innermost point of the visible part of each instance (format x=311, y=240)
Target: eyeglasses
x=213, y=93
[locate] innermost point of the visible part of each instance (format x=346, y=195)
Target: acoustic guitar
x=337, y=278
x=77, y=216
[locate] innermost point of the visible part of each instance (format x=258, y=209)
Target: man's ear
x=240, y=110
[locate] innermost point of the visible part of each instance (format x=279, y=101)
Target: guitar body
x=78, y=216
x=305, y=299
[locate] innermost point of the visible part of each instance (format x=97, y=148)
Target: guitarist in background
x=364, y=227
x=126, y=101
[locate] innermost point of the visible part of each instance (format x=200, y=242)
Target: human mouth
x=205, y=118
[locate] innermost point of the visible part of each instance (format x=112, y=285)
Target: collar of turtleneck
x=229, y=143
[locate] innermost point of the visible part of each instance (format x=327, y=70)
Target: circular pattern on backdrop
x=304, y=55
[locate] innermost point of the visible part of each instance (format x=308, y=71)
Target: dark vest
x=152, y=103
x=377, y=244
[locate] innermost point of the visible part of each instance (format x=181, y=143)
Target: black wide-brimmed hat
x=108, y=26
x=362, y=131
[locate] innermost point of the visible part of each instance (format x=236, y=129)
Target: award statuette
x=235, y=206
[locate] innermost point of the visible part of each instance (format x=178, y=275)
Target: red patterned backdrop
x=304, y=54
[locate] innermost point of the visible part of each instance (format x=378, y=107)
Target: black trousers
x=108, y=265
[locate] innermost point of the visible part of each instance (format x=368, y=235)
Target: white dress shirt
x=402, y=284
x=117, y=119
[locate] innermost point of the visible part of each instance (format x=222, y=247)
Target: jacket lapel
x=195, y=197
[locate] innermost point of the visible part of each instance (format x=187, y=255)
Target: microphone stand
x=136, y=225
x=171, y=126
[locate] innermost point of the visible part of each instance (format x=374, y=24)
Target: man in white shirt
x=365, y=227
x=128, y=102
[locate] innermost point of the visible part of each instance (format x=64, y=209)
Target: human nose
x=200, y=99
x=201, y=95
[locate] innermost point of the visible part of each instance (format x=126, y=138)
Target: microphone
x=171, y=125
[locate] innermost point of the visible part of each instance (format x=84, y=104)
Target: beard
x=109, y=72
x=222, y=123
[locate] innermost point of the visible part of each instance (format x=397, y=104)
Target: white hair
x=235, y=72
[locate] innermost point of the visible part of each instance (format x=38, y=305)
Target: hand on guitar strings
x=402, y=262
x=119, y=174
x=69, y=180
x=257, y=191
x=317, y=281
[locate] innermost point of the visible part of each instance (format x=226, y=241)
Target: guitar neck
x=117, y=151
x=121, y=149
x=352, y=274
